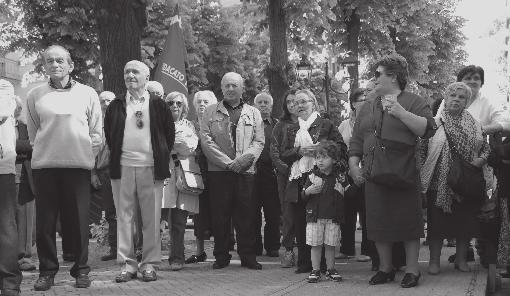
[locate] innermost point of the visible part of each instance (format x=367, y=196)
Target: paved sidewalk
x=201, y=279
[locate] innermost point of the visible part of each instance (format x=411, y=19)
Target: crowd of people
x=389, y=162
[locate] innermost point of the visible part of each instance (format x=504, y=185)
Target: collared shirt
x=69, y=84
x=234, y=113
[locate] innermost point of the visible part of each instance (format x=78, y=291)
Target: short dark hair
x=286, y=113
x=395, y=64
x=470, y=70
x=355, y=94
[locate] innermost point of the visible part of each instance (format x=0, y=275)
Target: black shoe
x=82, y=281
x=273, y=253
x=195, y=259
x=68, y=257
x=304, y=269
x=251, y=264
x=110, y=256
x=382, y=277
x=220, y=264
x=410, y=280
x=44, y=283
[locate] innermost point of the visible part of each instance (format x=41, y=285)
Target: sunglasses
x=139, y=121
x=178, y=103
x=378, y=74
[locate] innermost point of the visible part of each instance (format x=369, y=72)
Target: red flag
x=170, y=71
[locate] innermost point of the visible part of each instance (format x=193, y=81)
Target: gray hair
x=310, y=94
x=455, y=86
x=60, y=47
x=204, y=93
x=154, y=86
x=175, y=94
x=143, y=66
x=235, y=75
x=263, y=95
x=106, y=95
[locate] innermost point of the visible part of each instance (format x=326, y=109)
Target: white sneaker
x=363, y=258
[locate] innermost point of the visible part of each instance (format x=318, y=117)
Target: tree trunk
x=277, y=70
x=353, y=29
x=119, y=24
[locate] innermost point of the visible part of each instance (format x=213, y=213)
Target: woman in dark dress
x=450, y=215
x=393, y=214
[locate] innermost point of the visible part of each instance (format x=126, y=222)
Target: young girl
x=323, y=192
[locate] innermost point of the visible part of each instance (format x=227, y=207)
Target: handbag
x=188, y=179
x=464, y=179
x=390, y=163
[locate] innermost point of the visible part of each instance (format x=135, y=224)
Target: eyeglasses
x=178, y=103
x=302, y=102
x=378, y=74
x=139, y=121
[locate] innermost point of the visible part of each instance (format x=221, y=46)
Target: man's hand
x=242, y=163
x=95, y=182
x=313, y=189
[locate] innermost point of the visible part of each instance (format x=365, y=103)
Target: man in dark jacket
x=140, y=132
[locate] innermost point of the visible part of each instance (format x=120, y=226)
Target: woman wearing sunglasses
x=385, y=135
x=180, y=204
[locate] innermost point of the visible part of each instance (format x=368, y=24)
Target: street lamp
x=304, y=68
x=344, y=73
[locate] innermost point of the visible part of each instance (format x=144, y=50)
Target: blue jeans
x=10, y=275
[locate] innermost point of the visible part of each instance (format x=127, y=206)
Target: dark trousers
x=10, y=275
x=354, y=204
x=304, y=250
x=232, y=198
x=177, y=225
x=64, y=190
x=106, y=197
x=266, y=195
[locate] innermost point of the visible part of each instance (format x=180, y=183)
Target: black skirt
x=460, y=223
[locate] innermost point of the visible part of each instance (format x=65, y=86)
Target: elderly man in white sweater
x=10, y=275
x=64, y=124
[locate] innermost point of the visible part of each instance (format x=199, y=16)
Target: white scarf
x=303, y=139
x=434, y=150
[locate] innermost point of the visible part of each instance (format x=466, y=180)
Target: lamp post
x=304, y=68
x=347, y=71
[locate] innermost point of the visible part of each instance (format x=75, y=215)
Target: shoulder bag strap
x=378, y=127
x=450, y=142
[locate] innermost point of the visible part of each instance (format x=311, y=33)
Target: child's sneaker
x=314, y=276
x=333, y=275
x=288, y=259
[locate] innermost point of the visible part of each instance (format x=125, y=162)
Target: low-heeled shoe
x=410, y=280
x=382, y=277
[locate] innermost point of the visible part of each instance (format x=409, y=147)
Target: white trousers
x=138, y=187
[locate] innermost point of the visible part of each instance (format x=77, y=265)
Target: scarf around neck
x=303, y=139
x=466, y=134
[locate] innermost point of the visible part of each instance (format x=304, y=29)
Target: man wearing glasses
x=140, y=132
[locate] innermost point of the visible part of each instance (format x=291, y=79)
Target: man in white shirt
x=140, y=132
x=10, y=275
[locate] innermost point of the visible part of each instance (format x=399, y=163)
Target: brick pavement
x=201, y=279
